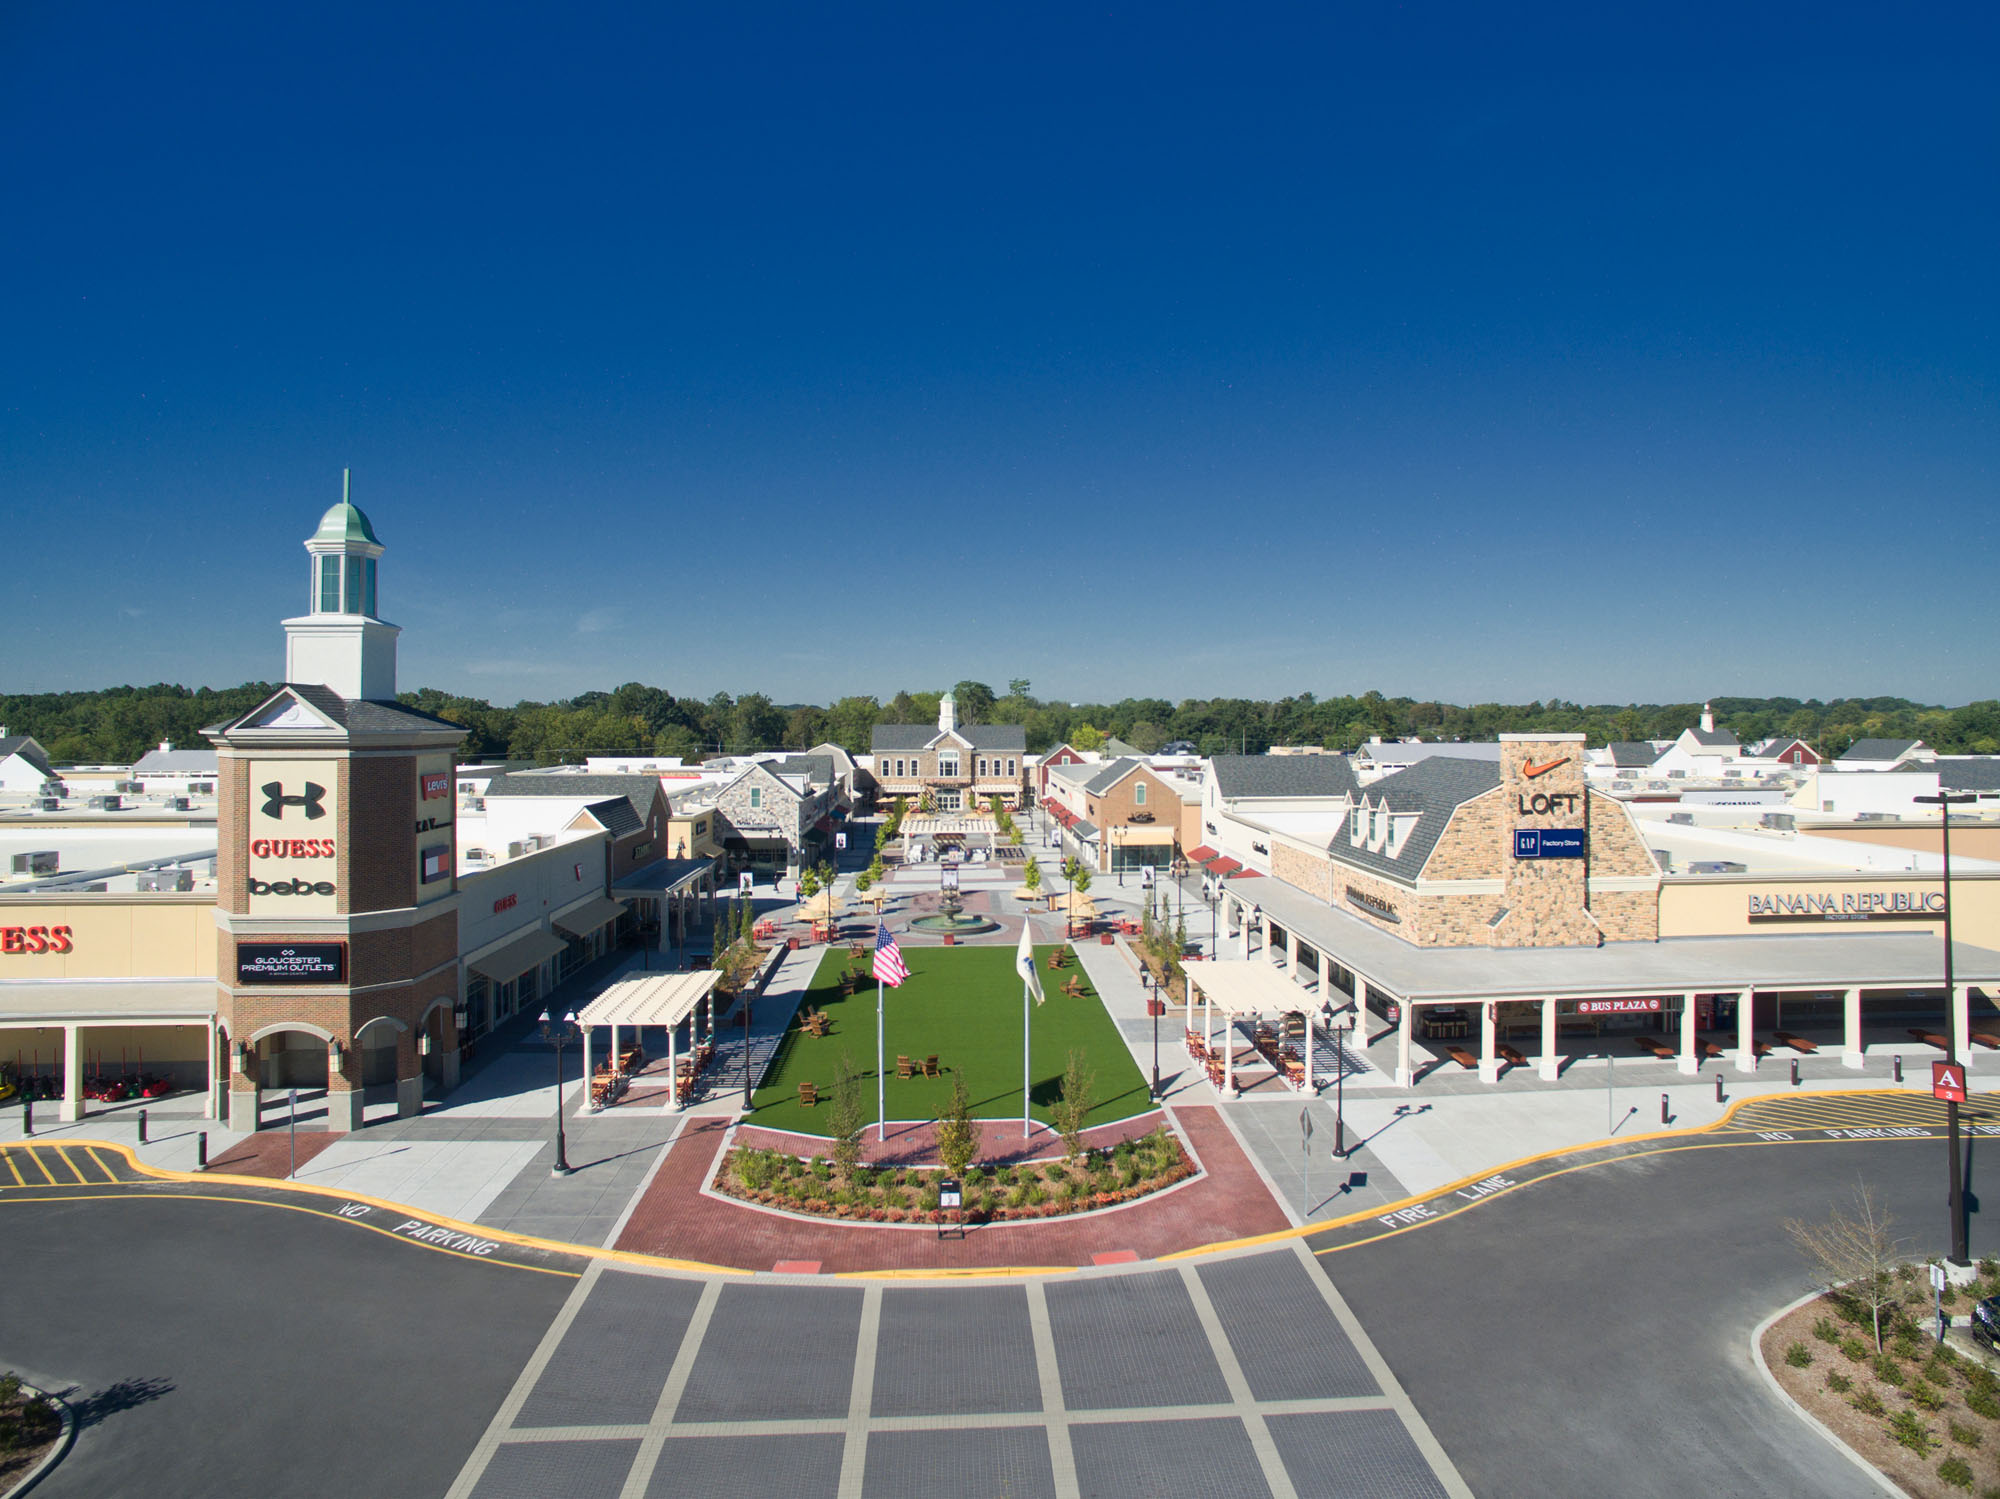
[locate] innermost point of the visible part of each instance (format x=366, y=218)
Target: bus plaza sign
x=1648, y=1006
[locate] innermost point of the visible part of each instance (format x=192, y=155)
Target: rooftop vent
x=1681, y=819
x=1717, y=866
x=42, y=861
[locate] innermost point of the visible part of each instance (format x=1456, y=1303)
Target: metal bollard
x=1899, y=1069
x=1795, y=1072
x=1718, y=1087
x=201, y=1151
x=142, y=1126
x=27, y=1116
x=1665, y=1117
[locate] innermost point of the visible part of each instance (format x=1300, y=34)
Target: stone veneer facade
x=1546, y=902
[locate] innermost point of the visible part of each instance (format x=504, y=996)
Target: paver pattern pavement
x=675, y=1220
x=1161, y=1382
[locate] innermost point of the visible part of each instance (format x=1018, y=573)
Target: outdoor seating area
x=663, y=1000
x=1252, y=992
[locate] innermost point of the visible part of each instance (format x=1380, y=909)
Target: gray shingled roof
x=1713, y=738
x=1110, y=775
x=638, y=790
x=175, y=762
x=989, y=737
x=28, y=748
x=818, y=769
x=616, y=815
x=357, y=716
x=1633, y=753
x=1969, y=773
x=1434, y=789
x=1286, y=775
x=1879, y=749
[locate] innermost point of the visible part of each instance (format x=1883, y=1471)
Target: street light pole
x=1153, y=1007
x=1339, y=1082
x=557, y=1030
x=1956, y=1174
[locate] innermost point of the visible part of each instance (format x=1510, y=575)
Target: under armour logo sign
x=275, y=800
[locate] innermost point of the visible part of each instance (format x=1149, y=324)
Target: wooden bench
x=1712, y=1049
x=808, y=1094
x=1461, y=1056
x=1511, y=1055
x=1930, y=1038
x=1654, y=1046
x=1797, y=1043
x=1986, y=1039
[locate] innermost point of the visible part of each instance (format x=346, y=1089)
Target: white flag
x=1025, y=961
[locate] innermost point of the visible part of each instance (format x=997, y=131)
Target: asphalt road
x=239, y=1348
x=1589, y=1334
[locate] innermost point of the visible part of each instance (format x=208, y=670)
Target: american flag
x=889, y=965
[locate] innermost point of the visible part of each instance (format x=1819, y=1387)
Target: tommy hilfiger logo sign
x=275, y=800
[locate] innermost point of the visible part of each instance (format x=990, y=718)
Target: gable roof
x=1111, y=774
x=1286, y=775
x=616, y=815
x=817, y=769
x=175, y=762
x=357, y=715
x=1633, y=752
x=1118, y=749
x=978, y=736
x=31, y=751
x=1879, y=749
x=1712, y=738
x=640, y=791
x=1433, y=789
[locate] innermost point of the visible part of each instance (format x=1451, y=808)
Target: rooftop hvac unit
x=177, y=804
x=105, y=804
x=1665, y=859
x=475, y=804
x=100, y=888
x=130, y=788
x=476, y=856
x=51, y=804
x=1717, y=866
x=201, y=788
x=516, y=849
x=1784, y=822
x=173, y=880
x=42, y=861
x=1681, y=819
x=1875, y=817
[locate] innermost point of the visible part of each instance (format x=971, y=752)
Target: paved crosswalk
x=68, y=1165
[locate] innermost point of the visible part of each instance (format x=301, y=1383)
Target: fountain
x=950, y=919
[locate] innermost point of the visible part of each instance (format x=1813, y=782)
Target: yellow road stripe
x=1589, y=1166
x=42, y=1166
x=19, y=1180
x=102, y=1165
x=81, y=1179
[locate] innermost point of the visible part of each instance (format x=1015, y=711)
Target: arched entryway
x=289, y=1064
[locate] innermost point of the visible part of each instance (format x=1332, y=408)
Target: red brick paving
x=675, y=1220
x=268, y=1153
x=915, y=1144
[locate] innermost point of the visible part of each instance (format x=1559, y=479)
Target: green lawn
x=964, y=1005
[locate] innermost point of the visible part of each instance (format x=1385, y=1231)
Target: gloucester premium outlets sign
x=293, y=843
x=1850, y=905
x=291, y=962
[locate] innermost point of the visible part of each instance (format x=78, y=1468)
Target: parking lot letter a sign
x=1948, y=1081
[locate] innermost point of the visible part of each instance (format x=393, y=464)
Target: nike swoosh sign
x=1532, y=770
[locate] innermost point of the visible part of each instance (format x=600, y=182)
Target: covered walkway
x=663, y=1000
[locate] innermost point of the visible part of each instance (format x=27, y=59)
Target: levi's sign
x=1548, y=843
x=1618, y=1006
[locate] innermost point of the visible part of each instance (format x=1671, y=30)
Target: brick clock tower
x=337, y=906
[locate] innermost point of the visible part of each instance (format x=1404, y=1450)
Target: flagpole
x=881, y=1082
x=1024, y=1057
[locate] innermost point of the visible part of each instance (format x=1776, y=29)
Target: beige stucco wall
x=1719, y=906
x=153, y=935
x=1969, y=842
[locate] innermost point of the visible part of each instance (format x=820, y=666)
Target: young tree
x=958, y=1138
x=1032, y=875
x=1081, y=879
x=845, y=1119
x=1073, y=1107
x=808, y=883
x=1852, y=1254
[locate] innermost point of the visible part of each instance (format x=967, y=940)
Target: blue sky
x=1479, y=353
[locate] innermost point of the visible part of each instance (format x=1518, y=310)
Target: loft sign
x=1545, y=803
x=1849, y=905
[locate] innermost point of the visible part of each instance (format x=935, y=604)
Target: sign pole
x=292, y=1133
x=881, y=1082
x=1305, y=1153
x=1956, y=1174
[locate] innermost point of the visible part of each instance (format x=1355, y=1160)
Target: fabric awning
x=589, y=916
x=529, y=950
x=1147, y=836
x=1202, y=855
x=1223, y=867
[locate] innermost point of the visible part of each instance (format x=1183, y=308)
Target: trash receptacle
x=1105, y=938
x=792, y=943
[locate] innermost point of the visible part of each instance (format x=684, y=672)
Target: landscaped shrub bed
x=28, y=1424
x=1002, y=1194
x=1928, y=1416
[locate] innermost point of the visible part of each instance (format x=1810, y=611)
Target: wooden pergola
x=666, y=1000
x=1240, y=989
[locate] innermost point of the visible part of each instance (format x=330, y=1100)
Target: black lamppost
x=1153, y=1008
x=1339, y=1025
x=1944, y=801
x=558, y=1029
x=747, y=995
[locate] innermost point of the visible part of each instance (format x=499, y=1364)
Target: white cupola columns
x=342, y=643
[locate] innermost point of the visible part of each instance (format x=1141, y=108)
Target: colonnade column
x=1688, y=1061
x=211, y=1097
x=1746, y=1013
x=1243, y=929
x=1292, y=953
x=1405, y=1024
x=245, y=1100
x=1960, y=1002
x=71, y=1108
x=585, y=1031
x=673, y=1068
x=1489, y=1040
x=1551, y=1064
x=1855, y=1056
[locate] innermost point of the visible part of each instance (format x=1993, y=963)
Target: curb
x=1882, y=1480
x=56, y=1453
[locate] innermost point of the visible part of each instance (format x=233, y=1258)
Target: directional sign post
x=1948, y=1081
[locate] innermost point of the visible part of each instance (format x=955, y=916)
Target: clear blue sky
x=1605, y=352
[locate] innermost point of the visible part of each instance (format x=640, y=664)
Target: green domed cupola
x=344, y=552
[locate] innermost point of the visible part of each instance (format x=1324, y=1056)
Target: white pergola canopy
x=661, y=999
x=1247, y=988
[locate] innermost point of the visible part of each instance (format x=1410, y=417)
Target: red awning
x=1224, y=867
x=1247, y=873
x=1202, y=855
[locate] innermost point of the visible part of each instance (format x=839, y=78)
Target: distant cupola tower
x=947, y=714
x=1707, y=719
x=343, y=643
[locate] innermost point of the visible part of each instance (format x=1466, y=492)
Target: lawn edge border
x=1882, y=1480
x=58, y=1450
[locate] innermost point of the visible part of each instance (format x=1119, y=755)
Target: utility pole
x=1955, y=1174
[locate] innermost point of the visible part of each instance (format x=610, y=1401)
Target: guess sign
x=505, y=903
x=291, y=848
x=30, y=940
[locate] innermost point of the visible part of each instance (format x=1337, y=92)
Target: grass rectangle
x=962, y=1004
